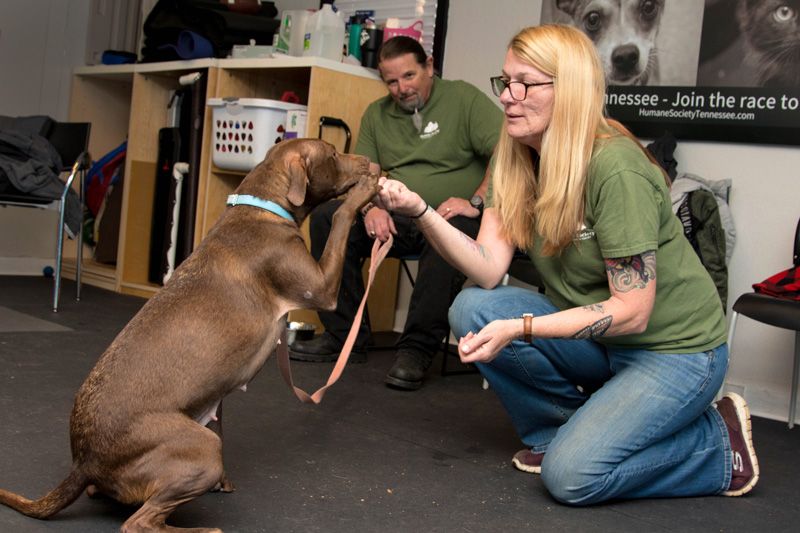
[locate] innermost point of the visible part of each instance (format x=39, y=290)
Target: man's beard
x=410, y=105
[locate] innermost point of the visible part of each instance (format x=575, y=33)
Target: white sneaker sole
x=743, y=414
x=519, y=465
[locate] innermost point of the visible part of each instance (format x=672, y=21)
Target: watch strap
x=527, y=327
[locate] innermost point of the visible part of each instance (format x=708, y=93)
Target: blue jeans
x=614, y=423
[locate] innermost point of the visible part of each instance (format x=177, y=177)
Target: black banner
x=717, y=70
x=732, y=114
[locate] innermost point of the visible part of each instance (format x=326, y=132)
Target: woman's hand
x=396, y=198
x=483, y=347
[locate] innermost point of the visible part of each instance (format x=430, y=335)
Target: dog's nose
x=625, y=58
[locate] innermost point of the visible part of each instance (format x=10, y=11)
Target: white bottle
x=324, y=35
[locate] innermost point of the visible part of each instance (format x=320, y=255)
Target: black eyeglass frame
x=496, y=81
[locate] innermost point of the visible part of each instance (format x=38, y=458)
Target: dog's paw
x=224, y=486
x=362, y=191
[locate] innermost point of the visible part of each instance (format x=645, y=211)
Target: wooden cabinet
x=130, y=101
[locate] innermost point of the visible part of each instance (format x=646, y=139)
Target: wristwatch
x=477, y=202
x=527, y=327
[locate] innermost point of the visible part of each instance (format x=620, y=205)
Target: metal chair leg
x=795, y=374
x=59, y=250
x=79, y=259
x=60, y=234
x=731, y=330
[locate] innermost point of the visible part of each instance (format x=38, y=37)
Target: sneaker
x=736, y=415
x=323, y=348
x=528, y=461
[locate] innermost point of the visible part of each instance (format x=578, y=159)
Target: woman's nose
x=505, y=97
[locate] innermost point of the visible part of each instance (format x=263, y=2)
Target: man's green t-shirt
x=628, y=211
x=448, y=157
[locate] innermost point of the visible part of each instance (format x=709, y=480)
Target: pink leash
x=379, y=252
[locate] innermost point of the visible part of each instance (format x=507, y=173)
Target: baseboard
x=765, y=400
x=24, y=266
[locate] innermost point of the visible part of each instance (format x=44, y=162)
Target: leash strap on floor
x=379, y=252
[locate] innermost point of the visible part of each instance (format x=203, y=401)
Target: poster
x=719, y=70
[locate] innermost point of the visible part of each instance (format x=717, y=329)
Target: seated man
x=437, y=137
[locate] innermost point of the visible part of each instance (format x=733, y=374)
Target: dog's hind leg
x=225, y=485
x=183, y=461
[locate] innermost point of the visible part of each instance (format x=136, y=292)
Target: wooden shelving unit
x=130, y=101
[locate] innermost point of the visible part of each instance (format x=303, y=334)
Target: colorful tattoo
x=635, y=272
x=593, y=331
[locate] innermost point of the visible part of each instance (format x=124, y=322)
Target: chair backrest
x=796, y=256
x=70, y=139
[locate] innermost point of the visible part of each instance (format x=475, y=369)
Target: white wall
x=41, y=41
x=765, y=198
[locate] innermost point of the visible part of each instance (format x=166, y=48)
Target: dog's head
x=303, y=173
x=624, y=32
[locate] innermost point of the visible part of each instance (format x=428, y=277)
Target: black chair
x=778, y=312
x=71, y=141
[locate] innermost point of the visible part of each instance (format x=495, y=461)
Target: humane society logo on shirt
x=430, y=130
x=583, y=233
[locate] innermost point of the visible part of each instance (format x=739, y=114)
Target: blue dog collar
x=266, y=205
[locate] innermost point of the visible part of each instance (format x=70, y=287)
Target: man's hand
x=379, y=224
x=457, y=206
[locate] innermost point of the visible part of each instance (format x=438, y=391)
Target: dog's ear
x=298, y=179
x=567, y=6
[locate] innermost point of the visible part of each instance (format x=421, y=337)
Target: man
x=436, y=136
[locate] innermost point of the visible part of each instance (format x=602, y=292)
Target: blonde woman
x=609, y=376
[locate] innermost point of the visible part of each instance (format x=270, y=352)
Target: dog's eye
x=784, y=14
x=592, y=21
x=648, y=9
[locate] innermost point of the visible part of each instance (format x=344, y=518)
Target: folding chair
x=71, y=141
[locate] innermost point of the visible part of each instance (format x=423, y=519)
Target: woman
x=608, y=377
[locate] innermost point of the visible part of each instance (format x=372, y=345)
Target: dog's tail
x=60, y=497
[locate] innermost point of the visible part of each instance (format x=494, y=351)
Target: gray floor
x=367, y=459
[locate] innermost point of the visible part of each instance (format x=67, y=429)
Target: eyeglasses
x=518, y=89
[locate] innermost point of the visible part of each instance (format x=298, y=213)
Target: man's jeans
x=614, y=423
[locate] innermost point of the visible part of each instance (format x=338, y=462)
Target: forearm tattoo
x=593, y=331
x=635, y=272
x=598, y=308
x=472, y=243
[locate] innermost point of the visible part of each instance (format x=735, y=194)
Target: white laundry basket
x=245, y=128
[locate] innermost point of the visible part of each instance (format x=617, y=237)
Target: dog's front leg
x=331, y=262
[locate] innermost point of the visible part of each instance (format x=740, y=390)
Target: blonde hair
x=550, y=199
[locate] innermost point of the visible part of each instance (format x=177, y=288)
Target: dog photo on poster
x=722, y=70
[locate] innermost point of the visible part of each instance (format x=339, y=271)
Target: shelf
x=130, y=101
x=173, y=67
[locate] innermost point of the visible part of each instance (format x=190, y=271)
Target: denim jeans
x=614, y=423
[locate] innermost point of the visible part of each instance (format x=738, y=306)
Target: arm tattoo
x=593, y=331
x=598, y=308
x=474, y=245
x=635, y=272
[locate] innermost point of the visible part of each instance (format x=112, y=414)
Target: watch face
x=476, y=201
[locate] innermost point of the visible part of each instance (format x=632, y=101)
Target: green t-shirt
x=448, y=158
x=628, y=211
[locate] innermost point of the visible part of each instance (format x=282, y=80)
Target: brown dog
x=138, y=424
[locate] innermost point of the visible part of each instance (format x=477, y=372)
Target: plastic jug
x=324, y=34
x=292, y=31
